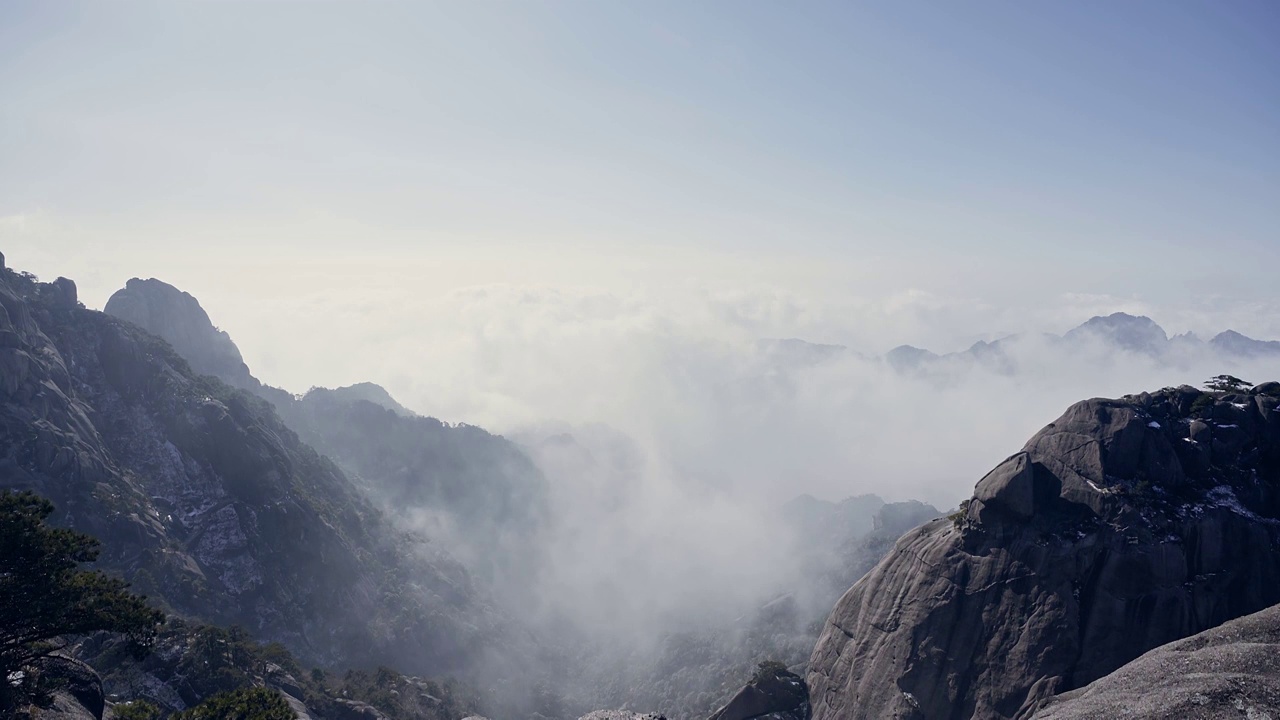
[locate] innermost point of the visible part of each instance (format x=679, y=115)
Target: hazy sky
x=1085, y=147
x=460, y=198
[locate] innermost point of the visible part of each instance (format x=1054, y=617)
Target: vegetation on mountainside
x=135, y=710
x=45, y=597
x=199, y=662
x=244, y=704
x=768, y=669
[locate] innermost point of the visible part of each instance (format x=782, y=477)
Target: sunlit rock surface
x=1123, y=525
x=1231, y=671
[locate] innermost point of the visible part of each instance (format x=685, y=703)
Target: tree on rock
x=44, y=596
x=1227, y=384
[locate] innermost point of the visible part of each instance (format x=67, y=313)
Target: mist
x=672, y=426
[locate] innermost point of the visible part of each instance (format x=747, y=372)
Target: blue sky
x=1105, y=148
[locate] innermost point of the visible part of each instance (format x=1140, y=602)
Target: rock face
x=1231, y=671
x=79, y=693
x=773, y=694
x=176, y=316
x=1123, y=525
x=206, y=501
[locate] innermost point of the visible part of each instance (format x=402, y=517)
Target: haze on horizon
x=512, y=213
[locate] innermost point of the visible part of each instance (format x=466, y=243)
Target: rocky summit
x=1123, y=525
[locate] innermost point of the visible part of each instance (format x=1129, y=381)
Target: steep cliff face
x=205, y=500
x=1123, y=525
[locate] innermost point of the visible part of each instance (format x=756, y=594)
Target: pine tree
x=45, y=597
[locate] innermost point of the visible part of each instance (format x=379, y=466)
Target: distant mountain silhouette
x=1118, y=331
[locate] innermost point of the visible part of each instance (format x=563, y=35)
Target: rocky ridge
x=1120, y=527
x=1135, y=334
x=206, y=501
x=473, y=492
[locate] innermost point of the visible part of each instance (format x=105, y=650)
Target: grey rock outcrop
x=1123, y=525
x=1231, y=671
x=773, y=694
x=78, y=690
x=176, y=316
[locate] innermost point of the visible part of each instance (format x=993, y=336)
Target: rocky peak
x=1137, y=333
x=1116, y=528
x=456, y=482
x=1234, y=343
x=176, y=316
x=364, y=392
x=907, y=357
x=204, y=500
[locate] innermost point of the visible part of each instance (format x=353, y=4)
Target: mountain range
x=1131, y=543
x=1119, y=331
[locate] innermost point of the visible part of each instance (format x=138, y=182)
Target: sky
x=464, y=201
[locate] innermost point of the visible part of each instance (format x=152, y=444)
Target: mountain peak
x=1234, y=343
x=1130, y=332
x=176, y=316
x=367, y=392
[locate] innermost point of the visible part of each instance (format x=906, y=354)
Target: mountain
x=205, y=500
x=1138, y=334
x=367, y=392
x=905, y=358
x=476, y=493
x=1233, y=343
x=1123, y=525
x=1117, y=331
x=1231, y=671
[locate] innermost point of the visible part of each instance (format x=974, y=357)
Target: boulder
x=773, y=694
x=1010, y=486
x=79, y=694
x=1267, y=388
x=1231, y=671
